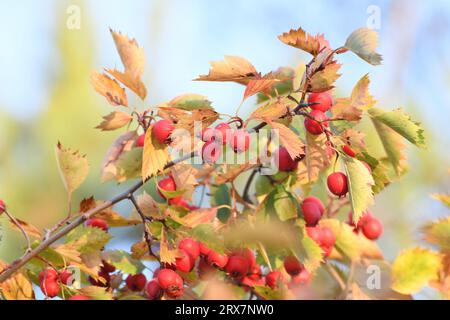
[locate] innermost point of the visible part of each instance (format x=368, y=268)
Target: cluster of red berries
x=50, y=281
x=222, y=134
x=321, y=103
x=168, y=184
x=371, y=226
x=161, y=130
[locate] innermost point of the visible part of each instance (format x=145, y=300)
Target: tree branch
x=16, y=265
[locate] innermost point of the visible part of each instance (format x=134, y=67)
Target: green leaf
x=281, y=203
x=364, y=42
x=221, y=196
x=401, y=123
x=96, y=293
x=438, y=233
x=87, y=239
x=310, y=253
x=123, y=261
x=129, y=165
x=268, y=293
x=393, y=145
x=190, y=101
x=73, y=167
x=360, y=183
x=413, y=269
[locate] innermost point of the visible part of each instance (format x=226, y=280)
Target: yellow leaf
x=109, y=88
x=154, y=157
x=166, y=254
x=270, y=111
x=232, y=68
x=115, y=120
x=316, y=158
x=364, y=43
x=198, y=217
x=134, y=84
x=324, y=79
x=148, y=205
x=259, y=84
x=232, y=172
x=73, y=167
x=16, y=287
x=413, y=269
x=28, y=228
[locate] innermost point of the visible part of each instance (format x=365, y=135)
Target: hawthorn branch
x=19, y=226
x=19, y=263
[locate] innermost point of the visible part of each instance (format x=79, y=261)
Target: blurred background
x=45, y=94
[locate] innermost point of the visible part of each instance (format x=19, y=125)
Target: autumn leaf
x=87, y=239
x=133, y=59
x=73, y=168
x=123, y=143
x=148, y=205
x=364, y=42
x=232, y=172
x=16, y=287
x=360, y=183
x=316, y=159
x=129, y=165
x=123, y=261
x=413, y=269
x=232, y=68
x=30, y=229
x=154, y=157
x=166, y=254
x=189, y=102
x=113, y=218
x=351, y=108
x=259, y=84
x=324, y=80
x=438, y=233
x=95, y=293
x=184, y=176
x=115, y=120
x=303, y=40
x=288, y=139
x=196, y=217
x=272, y=110
x=444, y=198
x=109, y=88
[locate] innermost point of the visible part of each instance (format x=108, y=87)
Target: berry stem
x=19, y=226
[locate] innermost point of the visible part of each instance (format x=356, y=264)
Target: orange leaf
x=289, y=139
x=154, y=157
x=28, y=228
x=259, y=85
x=115, y=120
x=198, y=217
x=232, y=68
x=166, y=254
x=134, y=84
x=109, y=88
x=302, y=40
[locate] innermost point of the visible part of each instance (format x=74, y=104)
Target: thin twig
x=245, y=194
x=18, y=225
x=336, y=276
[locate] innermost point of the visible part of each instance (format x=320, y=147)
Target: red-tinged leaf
x=300, y=39
x=123, y=144
x=109, y=88
x=289, y=140
x=263, y=84
x=232, y=68
x=134, y=84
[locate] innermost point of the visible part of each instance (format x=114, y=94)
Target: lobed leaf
x=115, y=120
x=364, y=42
x=109, y=88
x=123, y=261
x=154, y=157
x=232, y=68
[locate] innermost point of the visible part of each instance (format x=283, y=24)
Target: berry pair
x=371, y=226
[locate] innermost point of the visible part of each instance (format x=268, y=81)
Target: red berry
x=140, y=141
x=66, y=277
x=48, y=273
x=314, y=126
x=324, y=101
x=222, y=133
x=79, y=297
x=153, y=290
x=326, y=251
x=327, y=237
x=317, y=202
x=364, y=218
x=217, y=260
x=170, y=282
x=97, y=223
x=50, y=287
x=191, y=247
x=237, y=266
x=274, y=279
x=349, y=151
x=304, y=277
x=337, y=184
x=162, y=130
x=311, y=213
x=372, y=229
x=240, y=141
x=211, y=151
x=292, y=265
x=184, y=262
x=136, y=282
x=2, y=206
x=284, y=160
x=155, y=273
x=314, y=233
x=166, y=184
x=180, y=202
x=204, y=249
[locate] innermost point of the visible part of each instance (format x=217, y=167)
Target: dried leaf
x=197, y=217
x=28, y=228
x=109, y=88
x=232, y=172
x=364, y=42
x=304, y=41
x=114, y=120
x=166, y=254
x=148, y=205
x=259, y=84
x=232, y=68
x=272, y=110
x=189, y=102
x=16, y=287
x=316, y=159
x=324, y=80
x=288, y=139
